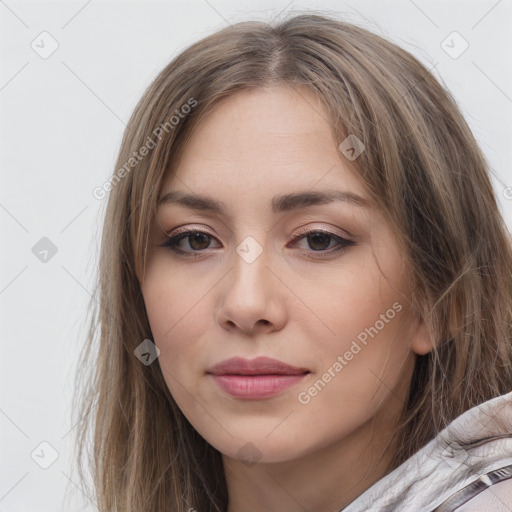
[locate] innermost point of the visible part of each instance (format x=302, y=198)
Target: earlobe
x=421, y=341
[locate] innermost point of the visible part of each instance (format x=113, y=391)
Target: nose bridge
x=250, y=264
x=250, y=250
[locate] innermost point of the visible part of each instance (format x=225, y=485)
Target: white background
x=61, y=123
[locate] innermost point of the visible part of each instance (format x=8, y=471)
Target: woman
x=305, y=287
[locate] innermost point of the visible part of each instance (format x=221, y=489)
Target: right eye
x=198, y=241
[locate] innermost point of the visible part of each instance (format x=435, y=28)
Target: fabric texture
x=443, y=467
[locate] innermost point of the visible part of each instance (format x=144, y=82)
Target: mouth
x=255, y=379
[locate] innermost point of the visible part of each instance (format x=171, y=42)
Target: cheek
x=177, y=321
x=367, y=365
x=349, y=301
x=367, y=324
x=178, y=311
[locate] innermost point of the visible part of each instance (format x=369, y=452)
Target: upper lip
x=257, y=366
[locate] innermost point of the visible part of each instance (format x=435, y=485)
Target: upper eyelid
x=185, y=231
x=344, y=233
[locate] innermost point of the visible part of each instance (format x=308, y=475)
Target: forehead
x=250, y=119
x=263, y=140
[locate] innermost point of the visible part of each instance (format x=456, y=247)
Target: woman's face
x=253, y=284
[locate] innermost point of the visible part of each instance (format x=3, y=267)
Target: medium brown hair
x=422, y=167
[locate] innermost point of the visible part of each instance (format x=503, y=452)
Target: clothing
x=445, y=477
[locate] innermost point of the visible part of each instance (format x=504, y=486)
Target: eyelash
x=173, y=241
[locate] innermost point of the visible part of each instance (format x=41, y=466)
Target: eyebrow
x=280, y=204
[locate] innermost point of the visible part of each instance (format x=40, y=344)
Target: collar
x=444, y=466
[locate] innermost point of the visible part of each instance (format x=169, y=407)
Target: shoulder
x=496, y=498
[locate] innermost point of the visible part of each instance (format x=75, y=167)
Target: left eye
x=198, y=241
x=320, y=241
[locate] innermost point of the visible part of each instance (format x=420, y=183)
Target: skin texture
x=289, y=304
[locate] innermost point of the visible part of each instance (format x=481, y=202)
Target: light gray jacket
x=445, y=477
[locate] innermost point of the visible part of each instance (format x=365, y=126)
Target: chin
x=260, y=442
x=260, y=450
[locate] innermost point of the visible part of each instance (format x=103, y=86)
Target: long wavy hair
x=422, y=167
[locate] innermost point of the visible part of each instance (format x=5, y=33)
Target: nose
x=252, y=298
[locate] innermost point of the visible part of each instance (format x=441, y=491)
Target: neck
x=328, y=479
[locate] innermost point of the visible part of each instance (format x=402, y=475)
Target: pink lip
x=256, y=378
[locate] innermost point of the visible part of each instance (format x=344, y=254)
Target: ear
x=421, y=341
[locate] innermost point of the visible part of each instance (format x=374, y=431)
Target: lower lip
x=256, y=386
